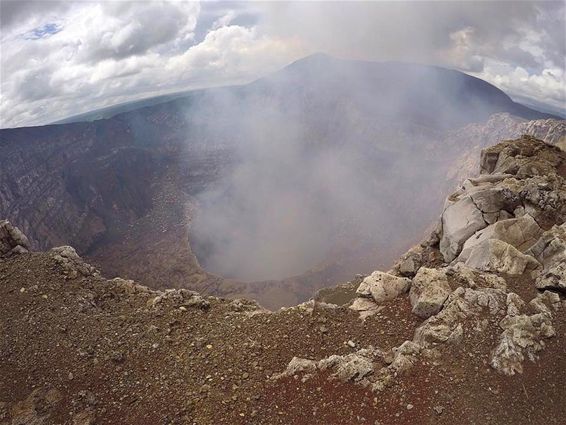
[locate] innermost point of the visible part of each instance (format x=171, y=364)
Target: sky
x=62, y=58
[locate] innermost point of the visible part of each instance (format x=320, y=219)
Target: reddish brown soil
x=109, y=354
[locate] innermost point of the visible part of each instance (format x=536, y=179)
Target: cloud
x=91, y=55
x=469, y=36
x=547, y=84
x=64, y=57
x=13, y=12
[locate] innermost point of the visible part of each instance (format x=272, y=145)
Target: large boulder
x=429, y=291
x=12, y=240
x=520, y=232
x=493, y=255
x=460, y=220
x=383, y=286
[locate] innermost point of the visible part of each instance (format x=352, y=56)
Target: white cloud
x=104, y=53
x=60, y=58
x=547, y=85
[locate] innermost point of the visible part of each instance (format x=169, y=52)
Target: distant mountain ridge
x=315, y=65
x=299, y=180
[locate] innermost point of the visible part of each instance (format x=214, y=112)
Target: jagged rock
x=410, y=262
x=494, y=199
x=365, y=306
x=523, y=180
x=428, y=292
x=492, y=255
x=546, y=302
x=520, y=232
x=473, y=182
x=550, y=245
x=522, y=336
x=297, y=365
x=179, y=298
x=383, y=286
x=129, y=286
x=550, y=250
x=474, y=279
x=353, y=367
x=514, y=304
x=12, y=240
x=404, y=356
x=553, y=278
x=460, y=220
x=463, y=303
x=72, y=264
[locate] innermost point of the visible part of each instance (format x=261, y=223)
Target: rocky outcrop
x=460, y=220
x=519, y=178
x=12, y=240
x=501, y=126
x=491, y=228
x=353, y=367
x=429, y=290
x=523, y=336
x=73, y=266
x=382, y=286
x=550, y=250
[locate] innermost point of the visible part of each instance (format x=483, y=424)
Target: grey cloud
x=13, y=12
x=143, y=28
x=413, y=31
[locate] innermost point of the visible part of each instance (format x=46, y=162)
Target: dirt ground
x=89, y=351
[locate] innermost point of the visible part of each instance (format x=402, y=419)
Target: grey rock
x=522, y=338
x=404, y=356
x=553, y=278
x=460, y=220
x=179, y=298
x=383, y=286
x=352, y=367
x=428, y=292
x=546, y=302
x=493, y=255
x=365, y=306
x=521, y=233
x=12, y=240
x=550, y=250
x=72, y=264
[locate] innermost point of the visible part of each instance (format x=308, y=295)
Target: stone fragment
x=72, y=264
x=428, y=292
x=553, y=278
x=365, y=306
x=12, y=240
x=383, y=286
